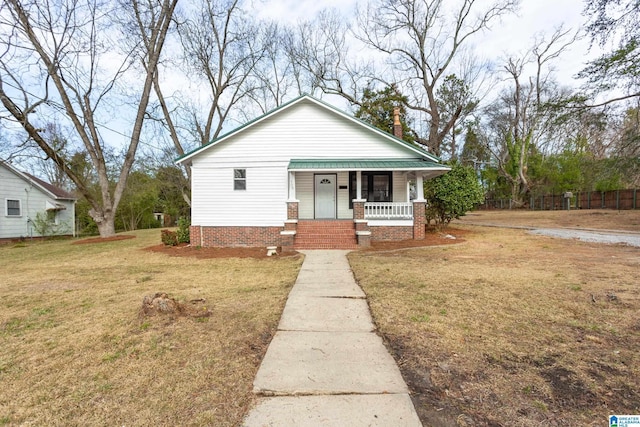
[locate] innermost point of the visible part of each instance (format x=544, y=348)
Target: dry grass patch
x=76, y=351
x=606, y=219
x=503, y=329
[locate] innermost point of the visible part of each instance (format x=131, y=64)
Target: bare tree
x=218, y=42
x=615, y=26
x=23, y=150
x=525, y=117
x=57, y=60
x=419, y=43
x=221, y=50
x=274, y=75
x=56, y=137
x=455, y=102
x=322, y=59
x=422, y=39
x=627, y=141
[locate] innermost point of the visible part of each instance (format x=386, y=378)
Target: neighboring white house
x=24, y=196
x=308, y=175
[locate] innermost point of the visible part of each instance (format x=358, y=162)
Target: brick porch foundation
x=208, y=236
x=419, y=220
x=391, y=233
x=308, y=234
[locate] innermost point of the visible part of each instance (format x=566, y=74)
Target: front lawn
x=511, y=329
x=77, y=351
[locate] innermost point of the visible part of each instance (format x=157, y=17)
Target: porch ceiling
x=366, y=165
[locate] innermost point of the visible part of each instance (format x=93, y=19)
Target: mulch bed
x=104, y=239
x=432, y=238
x=209, y=253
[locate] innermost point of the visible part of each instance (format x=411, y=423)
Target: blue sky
x=512, y=35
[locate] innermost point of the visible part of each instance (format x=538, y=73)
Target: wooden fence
x=615, y=199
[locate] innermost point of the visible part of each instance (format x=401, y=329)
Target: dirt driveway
x=598, y=219
x=631, y=239
x=596, y=226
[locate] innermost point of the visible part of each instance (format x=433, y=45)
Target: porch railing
x=388, y=210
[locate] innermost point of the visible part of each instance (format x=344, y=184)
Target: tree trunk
x=105, y=222
x=434, y=137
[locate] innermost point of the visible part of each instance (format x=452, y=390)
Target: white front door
x=325, y=196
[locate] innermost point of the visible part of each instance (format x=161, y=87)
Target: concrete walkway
x=326, y=366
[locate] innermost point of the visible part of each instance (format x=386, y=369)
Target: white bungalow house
x=24, y=197
x=307, y=175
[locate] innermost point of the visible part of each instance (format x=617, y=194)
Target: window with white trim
x=13, y=207
x=239, y=179
x=376, y=187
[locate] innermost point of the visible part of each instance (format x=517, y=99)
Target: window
x=13, y=208
x=239, y=179
x=52, y=216
x=376, y=187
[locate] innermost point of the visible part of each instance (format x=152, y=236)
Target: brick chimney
x=397, y=126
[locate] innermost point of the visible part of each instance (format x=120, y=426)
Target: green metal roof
x=364, y=164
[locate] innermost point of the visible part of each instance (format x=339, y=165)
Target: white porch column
x=292, y=186
x=359, y=185
x=419, y=188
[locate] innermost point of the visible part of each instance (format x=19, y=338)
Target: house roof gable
x=57, y=192
x=44, y=186
x=391, y=139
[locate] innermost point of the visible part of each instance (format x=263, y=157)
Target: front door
x=325, y=196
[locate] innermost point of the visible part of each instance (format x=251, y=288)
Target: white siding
x=67, y=217
x=304, y=194
x=303, y=131
x=263, y=203
x=343, y=197
x=32, y=202
x=12, y=187
x=399, y=186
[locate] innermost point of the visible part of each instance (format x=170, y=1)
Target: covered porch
x=383, y=198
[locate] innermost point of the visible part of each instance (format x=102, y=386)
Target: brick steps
x=326, y=234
